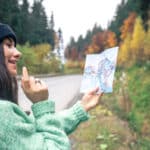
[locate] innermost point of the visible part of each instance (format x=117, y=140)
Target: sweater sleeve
x=67, y=119
x=72, y=117
x=49, y=125
x=20, y=131
x=45, y=130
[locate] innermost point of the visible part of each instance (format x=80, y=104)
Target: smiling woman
x=44, y=129
x=8, y=70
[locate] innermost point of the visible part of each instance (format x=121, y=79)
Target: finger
x=32, y=82
x=25, y=74
x=94, y=91
x=25, y=78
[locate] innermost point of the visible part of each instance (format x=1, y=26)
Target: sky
x=75, y=17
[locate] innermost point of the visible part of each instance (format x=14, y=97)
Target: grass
x=121, y=121
x=103, y=131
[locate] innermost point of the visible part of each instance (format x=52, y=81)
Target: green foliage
x=121, y=14
x=29, y=23
x=103, y=133
x=135, y=121
x=136, y=88
x=143, y=144
x=144, y=11
x=38, y=26
x=37, y=61
x=139, y=87
x=27, y=59
x=55, y=64
x=24, y=23
x=9, y=11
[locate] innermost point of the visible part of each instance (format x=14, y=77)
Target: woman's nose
x=17, y=54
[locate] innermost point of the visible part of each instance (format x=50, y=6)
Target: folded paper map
x=99, y=71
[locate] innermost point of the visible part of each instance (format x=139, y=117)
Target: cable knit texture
x=43, y=130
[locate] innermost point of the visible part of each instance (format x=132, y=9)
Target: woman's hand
x=34, y=89
x=91, y=99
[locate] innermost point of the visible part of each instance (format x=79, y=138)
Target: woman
x=45, y=129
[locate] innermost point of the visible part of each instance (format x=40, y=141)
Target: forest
x=129, y=29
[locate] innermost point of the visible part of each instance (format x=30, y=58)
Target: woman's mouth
x=12, y=61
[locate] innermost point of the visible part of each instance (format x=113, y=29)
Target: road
x=62, y=89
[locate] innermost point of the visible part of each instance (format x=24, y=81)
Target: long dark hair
x=8, y=84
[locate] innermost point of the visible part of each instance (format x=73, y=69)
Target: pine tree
x=147, y=45
x=39, y=24
x=9, y=13
x=24, y=23
x=51, y=38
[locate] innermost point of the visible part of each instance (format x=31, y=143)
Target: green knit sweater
x=43, y=130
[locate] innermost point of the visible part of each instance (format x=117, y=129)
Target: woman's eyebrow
x=10, y=40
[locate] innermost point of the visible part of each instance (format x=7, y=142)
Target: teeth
x=13, y=62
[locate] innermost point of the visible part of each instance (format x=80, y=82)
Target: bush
x=74, y=66
x=27, y=59
x=37, y=61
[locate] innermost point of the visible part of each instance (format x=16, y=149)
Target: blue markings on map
x=99, y=71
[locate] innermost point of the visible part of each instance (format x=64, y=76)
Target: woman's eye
x=9, y=45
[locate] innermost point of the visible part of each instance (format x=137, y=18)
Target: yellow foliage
x=138, y=37
x=135, y=45
x=72, y=64
x=92, y=49
x=42, y=50
x=125, y=50
x=82, y=64
x=138, y=34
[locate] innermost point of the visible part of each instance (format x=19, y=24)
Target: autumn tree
x=41, y=51
x=101, y=41
x=124, y=57
x=74, y=54
x=137, y=42
x=128, y=25
x=126, y=36
x=111, y=39
x=69, y=48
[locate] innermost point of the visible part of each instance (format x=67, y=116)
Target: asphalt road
x=62, y=89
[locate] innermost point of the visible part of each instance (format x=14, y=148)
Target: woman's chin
x=12, y=69
x=13, y=73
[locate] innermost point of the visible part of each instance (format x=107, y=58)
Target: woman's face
x=12, y=55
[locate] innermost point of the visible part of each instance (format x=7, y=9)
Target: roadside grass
x=122, y=120
x=103, y=131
